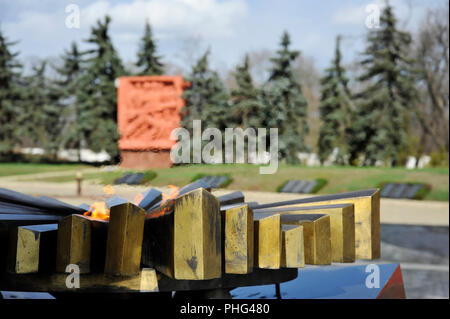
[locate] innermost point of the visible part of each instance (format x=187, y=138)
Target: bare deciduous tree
x=432, y=56
x=309, y=77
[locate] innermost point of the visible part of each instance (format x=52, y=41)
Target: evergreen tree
x=288, y=107
x=206, y=99
x=248, y=109
x=67, y=89
x=379, y=129
x=10, y=96
x=97, y=93
x=52, y=118
x=42, y=120
x=334, y=109
x=34, y=98
x=148, y=61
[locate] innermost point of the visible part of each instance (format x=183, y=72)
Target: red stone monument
x=148, y=109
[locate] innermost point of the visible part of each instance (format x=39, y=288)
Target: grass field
x=340, y=179
x=9, y=169
x=247, y=177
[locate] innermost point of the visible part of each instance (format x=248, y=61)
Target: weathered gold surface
x=73, y=243
x=32, y=249
x=23, y=255
x=238, y=239
x=292, y=251
x=148, y=280
x=342, y=227
x=367, y=223
x=144, y=281
x=316, y=235
x=267, y=241
x=124, y=243
x=197, y=236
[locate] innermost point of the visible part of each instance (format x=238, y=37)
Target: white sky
x=230, y=27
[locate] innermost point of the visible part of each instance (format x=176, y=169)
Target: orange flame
x=108, y=189
x=98, y=210
x=165, y=205
x=138, y=199
x=173, y=194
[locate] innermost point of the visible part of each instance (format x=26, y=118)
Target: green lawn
x=9, y=169
x=340, y=179
x=247, y=177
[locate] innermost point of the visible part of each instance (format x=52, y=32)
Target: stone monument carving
x=148, y=109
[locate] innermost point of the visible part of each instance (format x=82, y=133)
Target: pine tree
x=67, y=89
x=97, y=94
x=52, y=118
x=381, y=123
x=148, y=61
x=42, y=120
x=248, y=108
x=34, y=98
x=10, y=97
x=288, y=107
x=334, y=109
x=206, y=99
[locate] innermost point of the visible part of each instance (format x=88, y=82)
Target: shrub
x=148, y=176
x=321, y=183
x=439, y=158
